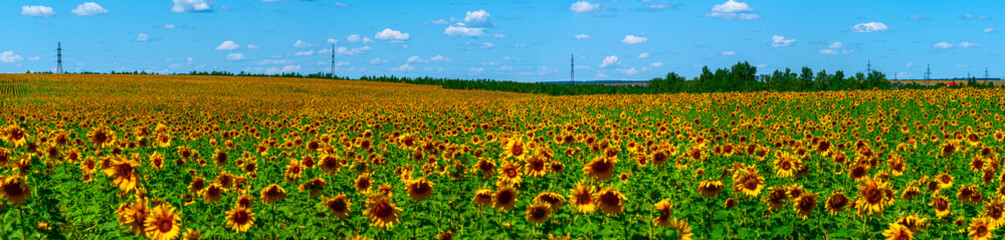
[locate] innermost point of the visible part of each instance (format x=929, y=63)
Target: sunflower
x=910, y=193
x=316, y=185
x=945, y=180
x=134, y=215
x=554, y=199
x=213, y=193
x=339, y=205
x=381, y=211
x=980, y=229
x=486, y=166
x=157, y=161
x=198, y=183
x=123, y=173
x=240, y=219
x=995, y=211
x=225, y=180
x=873, y=196
x=665, y=208
x=610, y=201
x=805, y=204
x=898, y=232
x=776, y=198
x=330, y=164
x=15, y=135
x=836, y=202
x=584, y=197
x=15, y=190
x=420, y=189
x=363, y=183
x=536, y=166
x=192, y=234
x=941, y=206
x=162, y=223
x=515, y=149
x=858, y=172
x=538, y=212
x=293, y=171
x=600, y=169
x=483, y=197
x=101, y=137
x=748, y=181
x=683, y=229
x=786, y=164
x=509, y=174
x=709, y=189
x=244, y=201
x=504, y=198
x=969, y=194
x=273, y=193
x=913, y=222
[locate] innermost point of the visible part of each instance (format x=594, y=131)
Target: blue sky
x=517, y=40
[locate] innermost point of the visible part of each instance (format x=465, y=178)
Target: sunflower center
x=750, y=183
x=873, y=195
x=786, y=165
x=504, y=197
x=981, y=230
x=100, y=137
x=517, y=149
x=241, y=217
x=165, y=225
x=125, y=170
x=13, y=189
x=601, y=166
x=610, y=199
x=539, y=212
x=383, y=210
x=838, y=202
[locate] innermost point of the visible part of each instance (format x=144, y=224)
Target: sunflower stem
x=20, y=216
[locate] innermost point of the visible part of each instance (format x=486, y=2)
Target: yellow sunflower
x=610, y=201
x=381, y=211
x=584, y=197
x=339, y=205
x=240, y=219
x=162, y=223
x=15, y=190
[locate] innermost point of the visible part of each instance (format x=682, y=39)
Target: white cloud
x=989, y=30
x=836, y=45
x=439, y=58
x=253, y=46
x=37, y=11
x=415, y=59
x=918, y=17
x=762, y=65
x=10, y=57
x=733, y=10
x=274, y=62
x=643, y=55
x=601, y=76
x=235, y=57
x=967, y=44
x=488, y=45
x=377, y=60
x=658, y=6
x=961, y=66
x=943, y=45
x=389, y=34
x=780, y=41
x=227, y=46
x=462, y=31
x=656, y=64
x=341, y=5
x=629, y=71
x=439, y=22
x=582, y=36
x=304, y=53
x=351, y=51
x=353, y=38
x=499, y=35
x=504, y=68
x=34, y=59
x=181, y=6
x=302, y=44
x=909, y=65
x=169, y=26
x=478, y=18
x=834, y=48
x=477, y=70
x=142, y=37
x=342, y=63
x=904, y=75
x=728, y=53
x=285, y=69
x=609, y=60
x=583, y=7
x=89, y=9
x=332, y=41
x=403, y=68
x=827, y=51
x=869, y=27
x=632, y=39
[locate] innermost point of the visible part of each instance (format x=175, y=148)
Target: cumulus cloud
x=181, y=6
x=34, y=59
x=656, y=64
x=438, y=22
x=253, y=46
x=582, y=36
x=967, y=44
x=227, y=46
x=942, y=45
x=169, y=26
x=377, y=60
x=632, y=39
x=142, y=38
x=462, y=31
x=610, y=60
x=37, y=11
x=235, y=57
x=10, y=57
x=351, y=51
x=358, y=39
x=869, y=27
x=629, y=71
x=780, y=41
x=643, y=55
x=439, y=58
x=658, y=6
x=304, y=53
x=403, y=68
x=733, y=10
x=415, y=59
x=583, y=7
x=918, y=17
x=834, y=48
x=393, y=35
x=89, y=9
x=600, y=76
x=728, y=53
x=285, y=69
x=989, y=30
x=478, y=18
x=274, y=62
x=302, y=44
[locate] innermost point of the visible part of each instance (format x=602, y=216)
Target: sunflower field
x=190, y=157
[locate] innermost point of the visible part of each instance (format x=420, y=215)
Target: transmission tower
x=928, y=72
x=868, y=67
x=333, y=61
x=59, y=57
x=986, y=74
x=572, y=68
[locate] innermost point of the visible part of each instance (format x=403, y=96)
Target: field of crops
x=173, y=157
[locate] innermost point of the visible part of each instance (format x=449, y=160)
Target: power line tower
x=59, y=57
x=986, y=73
x=928, y=72
x=868, y=67
x=333, y=61
x=572, y=68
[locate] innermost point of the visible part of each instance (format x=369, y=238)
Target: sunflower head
x=584, y=197
x=162, y=223
x=14, y=189
x=339, y=205
x=836, y=202
x=273, y=193
x=898, y=232
x=748, y=181
x=381, y=211
x=504, y=198
x=665, y=210
x=240, y=219
x=538, y=212
x=610, y=201
x=554, y=199
x=805, y=204
x=709, y=189
x=420, y=189
x=600, y=169
x=483, y=197
x=980, y=228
